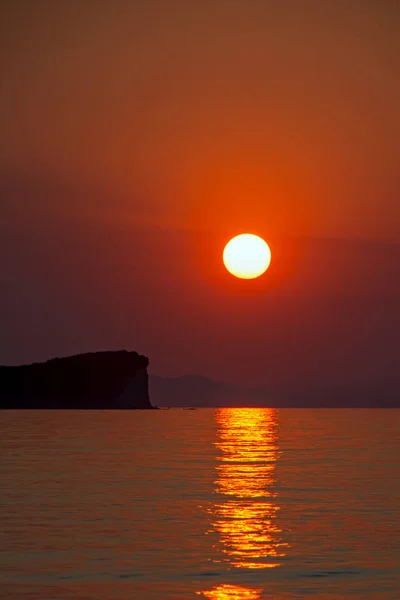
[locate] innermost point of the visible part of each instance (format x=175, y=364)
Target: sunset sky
x=138, y=137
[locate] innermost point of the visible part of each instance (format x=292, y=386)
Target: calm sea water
x=225, y=504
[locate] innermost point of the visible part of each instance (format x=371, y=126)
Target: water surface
x=224, y=504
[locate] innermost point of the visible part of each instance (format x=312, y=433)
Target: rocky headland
x=97, y=380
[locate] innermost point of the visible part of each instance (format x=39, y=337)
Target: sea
x=219, y=504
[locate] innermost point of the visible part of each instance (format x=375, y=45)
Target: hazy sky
x=122, y=118
x=227, y=112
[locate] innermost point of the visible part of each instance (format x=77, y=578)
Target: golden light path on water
x=245, y=513
x=232, y=592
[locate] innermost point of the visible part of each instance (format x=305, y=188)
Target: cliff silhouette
x=97, y=380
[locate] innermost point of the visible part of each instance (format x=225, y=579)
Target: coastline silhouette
x=97, y=380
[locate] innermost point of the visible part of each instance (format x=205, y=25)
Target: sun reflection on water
x=231, y=592
x=246, y=515
x=246, y=506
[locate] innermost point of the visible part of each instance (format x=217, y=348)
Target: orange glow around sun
x=247, y=256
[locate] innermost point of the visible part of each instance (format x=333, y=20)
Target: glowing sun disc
x=247, y=256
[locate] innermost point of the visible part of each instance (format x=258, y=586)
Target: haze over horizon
x=138, y=138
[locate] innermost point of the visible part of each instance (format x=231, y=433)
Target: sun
x=247, y=256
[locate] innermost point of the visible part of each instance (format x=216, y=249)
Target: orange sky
x=138, y=137
x=225, y=114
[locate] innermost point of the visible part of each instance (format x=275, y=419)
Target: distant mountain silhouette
x=196, y=390
x=199, y=391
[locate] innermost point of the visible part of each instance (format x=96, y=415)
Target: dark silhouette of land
x=198, y=391
x=119, y=380
x=98, y=380
x=195, y=390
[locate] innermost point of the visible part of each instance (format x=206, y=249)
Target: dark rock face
x=98, y=380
